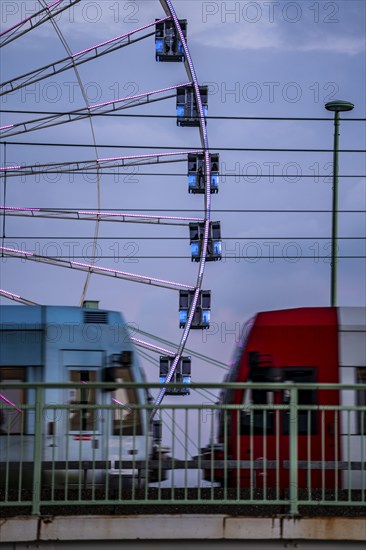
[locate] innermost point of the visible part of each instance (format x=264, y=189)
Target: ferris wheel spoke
x=72, y=61
x=45, y=14
x=89, y=268
x=95, y=164
x=151, y=347
x=205, y=358
x=91, y=111
x=17, y=298
x=90, y=215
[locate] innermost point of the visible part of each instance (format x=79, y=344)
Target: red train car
x=307, y=345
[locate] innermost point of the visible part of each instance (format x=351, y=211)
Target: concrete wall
x=178, y=531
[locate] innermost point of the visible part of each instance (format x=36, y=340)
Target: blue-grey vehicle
x=56, y=344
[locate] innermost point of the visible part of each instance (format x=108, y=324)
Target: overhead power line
x=137, y=238
x=169, y=147
x=227, y=210
x=232, y=256
x=213, y=117
x=284, y=176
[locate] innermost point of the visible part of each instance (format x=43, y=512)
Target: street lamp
x=337, y=106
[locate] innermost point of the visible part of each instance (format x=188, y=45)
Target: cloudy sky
x=259, y=59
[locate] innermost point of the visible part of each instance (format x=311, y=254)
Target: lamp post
x=337, y=106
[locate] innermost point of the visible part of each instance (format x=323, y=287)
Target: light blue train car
x=57, y=344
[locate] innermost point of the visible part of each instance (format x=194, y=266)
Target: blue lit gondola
x=182, y=374
x=168, y=46
x=196, y=173
x=201, y=317
x=214, y=245
x=187, y=111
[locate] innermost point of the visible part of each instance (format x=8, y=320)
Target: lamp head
x=339, y=106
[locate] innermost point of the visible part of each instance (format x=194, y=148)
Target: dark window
x=257, y=422
x=83, y=419
x=306, y=419
x=260, y=422
x=126, y=421
x=12, y=420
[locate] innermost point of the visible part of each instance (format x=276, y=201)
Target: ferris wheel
x=46, y=116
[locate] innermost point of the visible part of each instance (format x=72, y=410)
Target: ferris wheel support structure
x=105, y=165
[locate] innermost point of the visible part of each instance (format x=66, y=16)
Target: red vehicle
x=307, y=345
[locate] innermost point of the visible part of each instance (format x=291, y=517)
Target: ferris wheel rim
x=191, y=73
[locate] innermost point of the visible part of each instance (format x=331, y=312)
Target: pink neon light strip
x=97, y=268
x=124, y=405
x=150, y=155
x=4, y=168
x=118, y=402
x=151, y=346
x=9, y=293
x=10, y=402
x=90, y=107
x=29, y=18
x=124, y=215
x=16, y=298
x=106, y=159
x=98, y=214
x=119, y=37
x=14, y=250
x=20, y=209
x=138, y=95
x=108, y=270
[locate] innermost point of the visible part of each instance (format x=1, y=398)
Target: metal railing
x=283, y=454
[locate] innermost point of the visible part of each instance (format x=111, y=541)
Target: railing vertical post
x=293, y=451
x=38, y=436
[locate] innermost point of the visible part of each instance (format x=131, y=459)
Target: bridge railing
x=279, y=448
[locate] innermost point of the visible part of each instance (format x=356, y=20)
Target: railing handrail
x=192, y=464
x=193, y=385
x=291, y=455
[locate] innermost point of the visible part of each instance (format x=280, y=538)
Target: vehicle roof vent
x=96, y=317
x=91, y=304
